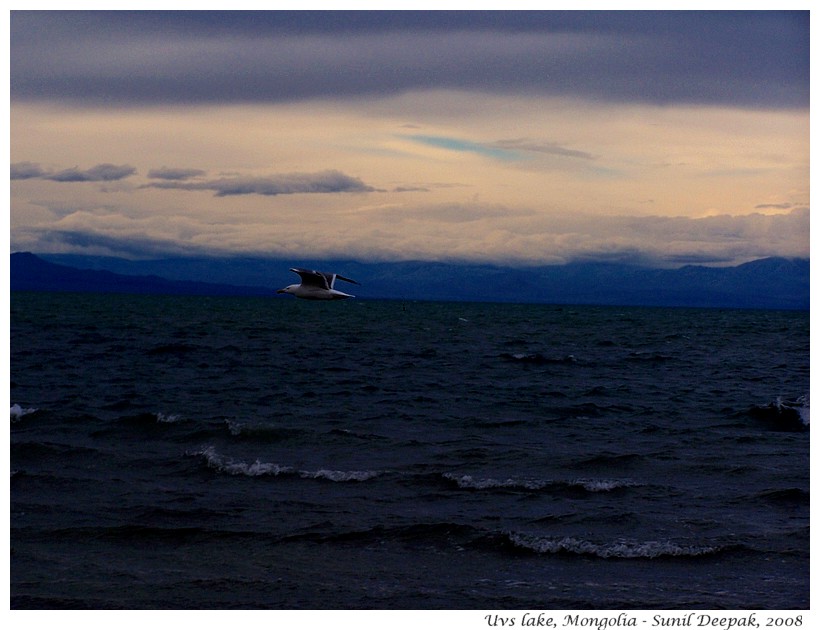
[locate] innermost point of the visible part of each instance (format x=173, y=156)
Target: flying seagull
x=317, y=285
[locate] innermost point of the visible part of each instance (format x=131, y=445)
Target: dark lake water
x=172, y=452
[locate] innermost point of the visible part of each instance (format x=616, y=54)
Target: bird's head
x=288, y=289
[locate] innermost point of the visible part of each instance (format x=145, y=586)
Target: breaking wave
x=616, y=549
x=341, y=475
x=167, y=418
x=257, y=469
x=588, y=485
x=459, y=536
x=784, y=415
x=17, y=412
x=217, y=462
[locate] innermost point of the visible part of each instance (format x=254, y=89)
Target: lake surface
x=176, y=452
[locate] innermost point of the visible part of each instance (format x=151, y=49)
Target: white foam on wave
x=590, y=485
x=616, y=549
x=602, y=485
x=235, y=428
x=17, y=412
x=804, y=408
x=800, y=405
x=256, y=469
x=468, y=481
x=340, y=475
x=167, y=418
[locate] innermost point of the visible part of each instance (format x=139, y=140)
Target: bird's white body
x=317, y=285
x=314, y=293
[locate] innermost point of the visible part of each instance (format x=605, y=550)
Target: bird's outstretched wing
x=336, y=275
x=314, y=278
x=320, y=279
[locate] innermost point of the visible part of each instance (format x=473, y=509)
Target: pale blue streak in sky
x=454, y=144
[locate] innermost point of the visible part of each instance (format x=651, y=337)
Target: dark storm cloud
x=712, y=239
x=136, y=246
x=644, y=240
x=98, y=173
x=756, y=58
x=26, y=170
x=174, y=173
x=286, y=184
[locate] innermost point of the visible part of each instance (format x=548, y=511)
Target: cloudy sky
x=660, y=137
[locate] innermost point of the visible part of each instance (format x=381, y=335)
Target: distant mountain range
x=32, y=273
x=769, y=283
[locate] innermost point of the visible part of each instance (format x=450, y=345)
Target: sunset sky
x=658, y=138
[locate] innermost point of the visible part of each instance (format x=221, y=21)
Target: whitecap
x=235, y=428
x=169, y=418
x=17, y=412
x=340, y=475
x=256, y=469
x=803, y=408
x=590, y=485
x=602, y=485
x=615, y=549
x=469, y=482
x=800, y=405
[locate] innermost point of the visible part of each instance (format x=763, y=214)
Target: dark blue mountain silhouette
x=32, y=273
x=769, y=283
